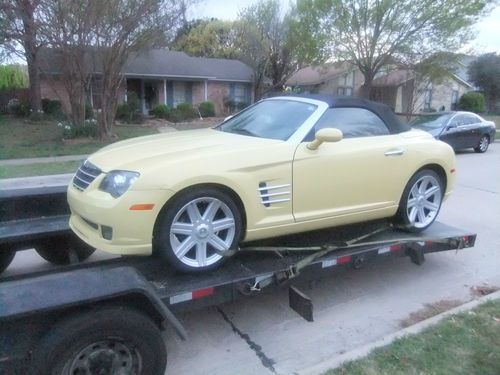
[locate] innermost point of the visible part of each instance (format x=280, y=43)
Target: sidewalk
x=34, y=182
x=50, y=159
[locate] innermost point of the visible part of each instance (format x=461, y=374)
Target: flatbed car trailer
x=107, y=316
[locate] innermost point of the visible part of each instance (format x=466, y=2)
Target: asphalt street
x=262, y=335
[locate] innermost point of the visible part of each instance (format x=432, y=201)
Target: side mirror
x=325, y=135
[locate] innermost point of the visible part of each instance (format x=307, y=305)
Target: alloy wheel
x=424, y=201
x=202, y=230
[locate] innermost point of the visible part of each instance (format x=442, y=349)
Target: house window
x=345, y=91
x=427, y=99
x=454, y=99
x=239, y=93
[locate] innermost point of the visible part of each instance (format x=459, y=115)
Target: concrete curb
x=363, y=351
x=50, y=159
x=36, y=181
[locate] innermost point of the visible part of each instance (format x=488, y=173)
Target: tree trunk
x=366, y=88
x=34, y=78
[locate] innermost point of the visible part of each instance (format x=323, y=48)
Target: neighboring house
x=398, y=90
x=331, y=78
x=164, y=77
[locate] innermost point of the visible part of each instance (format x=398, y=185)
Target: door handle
x=396, y=152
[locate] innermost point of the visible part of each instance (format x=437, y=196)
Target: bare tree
x=95, y=39
x=265, y=43
x=19, y=20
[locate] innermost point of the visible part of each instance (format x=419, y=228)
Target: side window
x=353, y=122
x=471, y=119
x=461, y=120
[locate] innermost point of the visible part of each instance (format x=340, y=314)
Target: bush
x=89, y=111
x=472, y=101
x=130, y=111
x=36, y=116
x=161, y=111
x=176, y=115
x=187, y=110
x=123, y=112
x=19, y=108
x=207, y=109
x=51, y=107
x=70, y=131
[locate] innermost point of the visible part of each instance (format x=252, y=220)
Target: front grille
x=85, y=175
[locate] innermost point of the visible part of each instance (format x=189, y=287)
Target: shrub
x=19, y=108
x=123, y=112
x=187, y=110
x=207, y=109
x=161, y=111
x=70, y=131
x=51, y=107
x=36, y=116
x=472, y=101
x=176, y=115
x=89, y=111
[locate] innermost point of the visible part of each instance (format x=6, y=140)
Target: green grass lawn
x=39, y=169
x=468, y=343
x=23, y=139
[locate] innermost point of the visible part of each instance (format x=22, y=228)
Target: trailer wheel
x=108, y=341
x=6, y=257
x=64, y=250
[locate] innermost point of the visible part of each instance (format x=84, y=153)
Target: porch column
x=165, y=91
x=206, y=90
x=143, y=99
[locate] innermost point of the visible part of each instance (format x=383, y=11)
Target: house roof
x=162, y=63
x=313, y=75
x=394, y=78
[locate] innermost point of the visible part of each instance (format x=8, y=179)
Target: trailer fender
x=36, y=296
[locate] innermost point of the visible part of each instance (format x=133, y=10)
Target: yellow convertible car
x=284, y=165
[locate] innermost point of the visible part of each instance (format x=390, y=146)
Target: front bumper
x=132, y=231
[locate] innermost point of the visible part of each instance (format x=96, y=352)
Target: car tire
x=421, y=201
x=99, y=341
x=64, y=250
x=6, y=257
x=482, y=146
x=196, y=228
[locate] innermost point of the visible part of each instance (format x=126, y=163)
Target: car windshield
x=430, y=121
x=273, y=119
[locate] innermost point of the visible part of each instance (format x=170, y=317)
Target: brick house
x=394, y=87
x=167, y=77
x=397, y=89
x=331, y=78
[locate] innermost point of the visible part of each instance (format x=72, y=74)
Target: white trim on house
x=165, y=91
x=206, y=90
x=130, y=75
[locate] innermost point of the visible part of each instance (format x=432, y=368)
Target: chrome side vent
x=270, y=194
x=85, y=175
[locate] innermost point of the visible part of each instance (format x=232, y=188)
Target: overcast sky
x=488, y=30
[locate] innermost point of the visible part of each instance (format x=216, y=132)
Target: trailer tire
x=6, y=257
x=101, y=342
x=63, y=251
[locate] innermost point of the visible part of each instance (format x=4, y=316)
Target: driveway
x=261, y=335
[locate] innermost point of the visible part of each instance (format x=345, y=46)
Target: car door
x=453, y=132
x=474, y=130
x=362, y=172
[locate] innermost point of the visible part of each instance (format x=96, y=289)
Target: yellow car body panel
x=338, y=183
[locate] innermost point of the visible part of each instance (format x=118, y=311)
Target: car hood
x=131, y=154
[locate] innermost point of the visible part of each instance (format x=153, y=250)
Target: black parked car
x=458, y=129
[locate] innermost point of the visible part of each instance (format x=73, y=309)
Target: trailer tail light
x=200, y=293
x=343, y=260
x=395, y=247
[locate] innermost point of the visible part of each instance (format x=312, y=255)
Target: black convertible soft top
x=394, y=124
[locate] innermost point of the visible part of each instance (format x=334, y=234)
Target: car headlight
x=117, y=183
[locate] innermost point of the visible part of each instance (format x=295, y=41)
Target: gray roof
x=314, y=75
x=162, y=63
